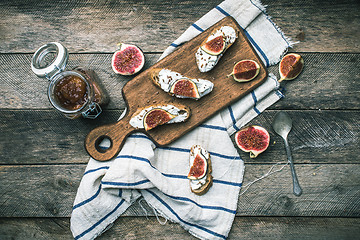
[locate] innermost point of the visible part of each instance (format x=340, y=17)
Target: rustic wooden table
x=42, y=154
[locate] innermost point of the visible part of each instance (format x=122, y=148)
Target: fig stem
x=119, y=45
x=281, y=79
x=230, y=74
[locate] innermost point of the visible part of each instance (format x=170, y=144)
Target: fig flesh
x=245, y=70
x=215, y=46
x=186, y=88
x=253, y=139
x=290, y=66
x=156, y=117
x=128, y=60
x=198, y=168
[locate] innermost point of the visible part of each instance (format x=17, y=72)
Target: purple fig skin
x=128, y=60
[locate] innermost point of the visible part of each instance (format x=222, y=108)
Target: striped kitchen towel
x=159, y=174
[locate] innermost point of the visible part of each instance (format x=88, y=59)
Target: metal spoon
x=282, y=125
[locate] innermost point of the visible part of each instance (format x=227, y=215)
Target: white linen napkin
x=159, y=174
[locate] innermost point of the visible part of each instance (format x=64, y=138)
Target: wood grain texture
x=329, y=190
x=317, y=25
x=97, y=26
x=329, y=81
x=40, y=180
x=22, y=89
x=141, y=92
x=129, y=228
x=46, y=137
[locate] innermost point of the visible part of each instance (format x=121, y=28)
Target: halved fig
x=199, y=167
x=128, y=60
x=290, y=66
x=253, y=139
x=186, y=88
x=245, y=70
x=214, y=46
x=156, y=117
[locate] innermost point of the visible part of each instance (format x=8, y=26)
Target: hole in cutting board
x=103, y=143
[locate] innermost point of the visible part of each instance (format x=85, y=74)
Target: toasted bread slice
x=180, y=86
x=177, y=113
x=154, y=76
x=209, y=180
x=206, y=60
x=218, y=29
x=208, y=177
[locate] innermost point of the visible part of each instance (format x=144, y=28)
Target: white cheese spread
x=206, y=61
x=167, y=78
x=198, y=183
x=180, y=115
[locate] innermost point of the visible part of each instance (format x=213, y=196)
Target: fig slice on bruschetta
x=214, y=46
x=155, y=115
x=180, y=86
x=200, y=170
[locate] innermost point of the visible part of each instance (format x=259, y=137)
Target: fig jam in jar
x=75, y=93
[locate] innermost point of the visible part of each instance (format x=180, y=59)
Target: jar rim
x=57, y=64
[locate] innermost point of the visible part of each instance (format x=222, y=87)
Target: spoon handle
x=297, y=189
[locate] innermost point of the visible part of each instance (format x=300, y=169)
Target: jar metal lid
x=43, y=65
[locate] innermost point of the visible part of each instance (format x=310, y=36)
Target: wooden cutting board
x=141, y=92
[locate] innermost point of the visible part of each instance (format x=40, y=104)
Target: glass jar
x=75, y=93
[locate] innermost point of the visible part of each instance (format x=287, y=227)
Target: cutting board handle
x=116, y=133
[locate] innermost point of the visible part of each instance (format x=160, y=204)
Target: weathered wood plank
x=45, y=136
x=23, y=89
x=329, y=190
x=142, y=228
x=316, y=24
x=326, y=79
x=96, y=26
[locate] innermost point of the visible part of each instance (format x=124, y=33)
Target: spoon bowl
x=282, y=125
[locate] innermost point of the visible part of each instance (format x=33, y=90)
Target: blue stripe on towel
x=214, y=180
x=225, y=156
x=222, y=11
x=227, y=183
x=100, y=221
x=255, y=102
x=183, y=221
x=174, y=45
x=97, y=169
x=269, y=19
x=233, y=118
x=197, y=27
x=185, y=199
x=125, y=183
x=174, y=176
x=279, y=93
x=211, y=153
x=248, y=36
x=175, y=149
x=88, y=200
x=134, y=157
